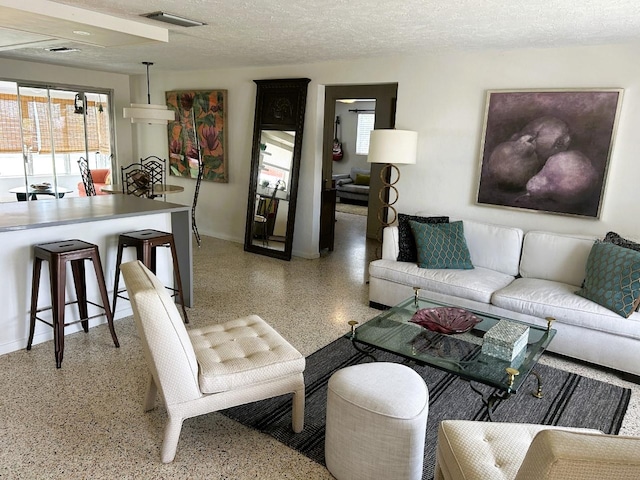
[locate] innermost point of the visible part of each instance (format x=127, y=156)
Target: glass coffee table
x=459, y=354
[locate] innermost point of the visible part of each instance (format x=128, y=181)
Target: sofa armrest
x=556, y=454
x=343, y=181
x=390, y=242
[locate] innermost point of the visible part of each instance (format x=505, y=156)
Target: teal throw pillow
x=441, y=245
x=613, y=278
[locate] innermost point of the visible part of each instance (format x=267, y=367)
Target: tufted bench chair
x=516, y=451
x=212, y=368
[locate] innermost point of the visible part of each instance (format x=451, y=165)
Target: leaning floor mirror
x=275, y=166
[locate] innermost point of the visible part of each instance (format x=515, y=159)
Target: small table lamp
x=391, y=147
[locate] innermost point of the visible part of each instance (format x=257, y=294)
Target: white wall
x=443, y=98
x=440, y=96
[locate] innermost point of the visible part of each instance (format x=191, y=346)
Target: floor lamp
x=390, y=147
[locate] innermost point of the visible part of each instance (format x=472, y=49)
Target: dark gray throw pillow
x=613, y=237
x=406, y=242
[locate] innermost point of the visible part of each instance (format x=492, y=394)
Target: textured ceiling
x=276, y=32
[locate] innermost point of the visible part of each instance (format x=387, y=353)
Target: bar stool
x=146, y=242
x=58, y=254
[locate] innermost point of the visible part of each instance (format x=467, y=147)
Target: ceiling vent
x=61, y=49
x=173, y=19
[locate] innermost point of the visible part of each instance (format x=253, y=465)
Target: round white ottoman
x=376, y=422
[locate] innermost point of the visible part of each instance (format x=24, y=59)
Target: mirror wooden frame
x=280, y=105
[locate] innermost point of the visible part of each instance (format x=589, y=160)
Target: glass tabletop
x=460, y=354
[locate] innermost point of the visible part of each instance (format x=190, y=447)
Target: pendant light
x=148, y=113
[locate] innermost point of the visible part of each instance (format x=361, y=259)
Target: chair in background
x=135, y=180
x=155, y=167
x=518, y=451
x=260, y=224
x=211, y=368
x=87, y=179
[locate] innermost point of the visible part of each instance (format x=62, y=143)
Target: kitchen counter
x=97, y=220
x=38, y=214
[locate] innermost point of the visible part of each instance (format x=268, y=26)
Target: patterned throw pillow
x=406, y=243
x=613, y=237
x=441, y=245
x=613, y=278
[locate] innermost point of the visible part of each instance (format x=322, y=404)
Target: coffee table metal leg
x=538, y=393
x=489, y=401
x=352, y=337
x=366, y=353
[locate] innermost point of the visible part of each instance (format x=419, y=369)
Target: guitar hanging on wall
x=337, y=145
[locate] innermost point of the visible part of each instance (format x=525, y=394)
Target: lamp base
x=386, y=173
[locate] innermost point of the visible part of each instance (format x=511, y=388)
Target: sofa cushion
x=477, y=284
x=554, y=256
x=613, y=278
x=406, y=242
x=496, y=247
x=546, y=298
x=353, y=188
x=241, y=353
x=441, y=245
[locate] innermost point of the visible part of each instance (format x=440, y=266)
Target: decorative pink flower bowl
x=445, y=319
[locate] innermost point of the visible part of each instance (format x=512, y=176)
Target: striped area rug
x=569, y=400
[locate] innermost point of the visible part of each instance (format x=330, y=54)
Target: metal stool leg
x=97, y=266
x=117, y=279
x=58, y=277
x=176, y=272
x=80, y=282
x=35, y=287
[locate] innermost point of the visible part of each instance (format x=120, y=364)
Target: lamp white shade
x=147, y=113
x=393, y=146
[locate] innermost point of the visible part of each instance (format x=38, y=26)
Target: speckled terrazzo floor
x=86, y=420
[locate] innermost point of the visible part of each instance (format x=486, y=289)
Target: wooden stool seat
x=58, y=254
x=146, y=242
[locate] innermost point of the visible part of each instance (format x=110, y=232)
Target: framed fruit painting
x=548, y=150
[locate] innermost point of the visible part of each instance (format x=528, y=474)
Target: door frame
x=385, y=96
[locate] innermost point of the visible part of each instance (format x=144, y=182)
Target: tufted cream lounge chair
x=516, y=451
x=208, y=369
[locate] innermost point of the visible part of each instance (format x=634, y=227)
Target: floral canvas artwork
x=548, y=150
x=200, y=115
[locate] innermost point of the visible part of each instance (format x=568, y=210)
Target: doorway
x=382, y=100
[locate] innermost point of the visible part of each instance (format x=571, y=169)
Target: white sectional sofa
x=520, y=276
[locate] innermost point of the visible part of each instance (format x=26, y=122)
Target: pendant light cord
x=148, y=64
